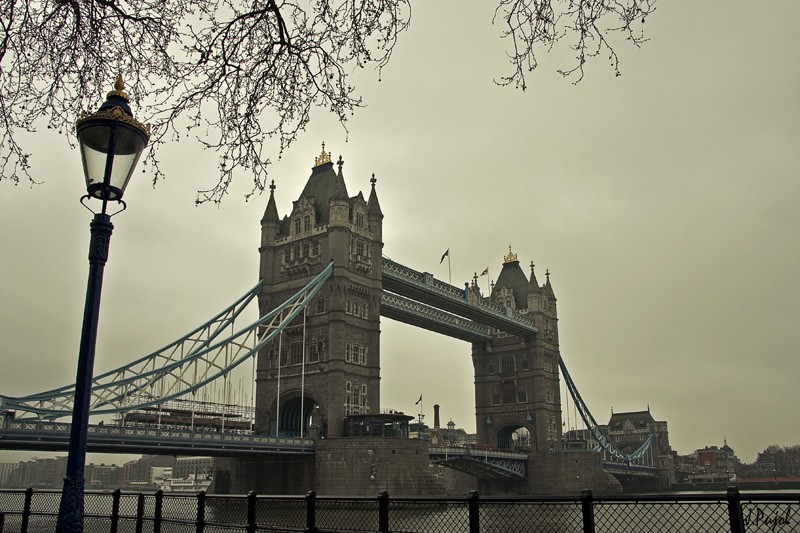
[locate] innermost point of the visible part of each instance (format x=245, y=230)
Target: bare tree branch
x=237, y=74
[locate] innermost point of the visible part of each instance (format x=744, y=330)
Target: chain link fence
x=27, y=511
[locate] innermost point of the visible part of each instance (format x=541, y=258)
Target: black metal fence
x=117, y=512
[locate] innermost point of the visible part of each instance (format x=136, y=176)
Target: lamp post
x=111, y=141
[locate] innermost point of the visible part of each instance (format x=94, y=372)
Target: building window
x=315, y=248
x=495, y=398
x=360, y=219
x=348, y=387
x=296, y=353
x=359, y=247
x=364, y=389
x=522, y=396
x=297, y=225
x=509, y=396
x=355, y=307
x=549, y=396
x=307, y=249
x=525, y=363
x=548, y=363
x=507, y=365
x=355, y=354
x=320, y=305
x=306, y=223
x=286, y=255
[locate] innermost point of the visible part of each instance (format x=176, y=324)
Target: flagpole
x=449, y=275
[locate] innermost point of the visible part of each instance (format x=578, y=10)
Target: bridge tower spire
x=516, y=378
x=339, y=340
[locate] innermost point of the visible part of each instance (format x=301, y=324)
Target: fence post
x=587, y=509
x=383, y=512
x=200, y=524
x=140, y=513
x=158, y=511
x=735, y=510
x=116, y=495
x=474, y=516
x=26, y=510
x=311, y=512
x=251, y=512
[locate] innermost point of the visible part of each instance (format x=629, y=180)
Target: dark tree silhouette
x=234, y=73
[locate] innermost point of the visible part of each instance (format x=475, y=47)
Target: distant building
x=628, y=431
x=186, y=467
x=711, y=464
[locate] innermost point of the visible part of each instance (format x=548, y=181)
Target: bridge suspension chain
x=603, y=441
x=182, y=367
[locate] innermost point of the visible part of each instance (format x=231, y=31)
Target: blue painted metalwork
x=182, y=367
x=51, y=436
x=511, y=464
x=410, y=311
x=603, y=441
x=423, y=287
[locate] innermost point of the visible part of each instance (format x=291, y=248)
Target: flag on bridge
x=445, y=254
x=420, y=399
x=485, y=271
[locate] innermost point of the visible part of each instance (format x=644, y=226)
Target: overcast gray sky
x=665, y=203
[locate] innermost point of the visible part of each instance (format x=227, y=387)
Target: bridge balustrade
x=41, y=435
x=431, y=290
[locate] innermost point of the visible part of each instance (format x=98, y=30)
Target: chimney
x=436, y=416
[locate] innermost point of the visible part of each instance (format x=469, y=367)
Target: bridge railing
x=427, y=282
x=54, y=431
x=29, y=510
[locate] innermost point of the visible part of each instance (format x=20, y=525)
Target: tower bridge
x=324, y=286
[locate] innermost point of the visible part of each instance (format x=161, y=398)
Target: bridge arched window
x=307, y=223
x=297, y=225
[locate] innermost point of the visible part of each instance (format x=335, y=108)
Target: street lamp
x=111, y=141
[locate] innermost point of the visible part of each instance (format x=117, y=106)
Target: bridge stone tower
x=340, y=337
x=517, y=378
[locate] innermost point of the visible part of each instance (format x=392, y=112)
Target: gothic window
x=509, y=396
x=284, y=357
x=522, y=396
x=525, y=363
x=360, y=219
x=297, y=225
x=348, y=386
x=551, y=428
x=355, y=307
x=320, y=305
x=359, y=247
x=548, y=363
x=495, y=398
x=315, y=248
x=356, y=354
x=549, y=396
x=306, y=223
x=364, y=389
x=296, y=353
x=313, y=352
x=307, y=249
x=286, y=255
x=507, y=365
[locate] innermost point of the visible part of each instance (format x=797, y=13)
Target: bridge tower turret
x=517, y=378
x=339, y=339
